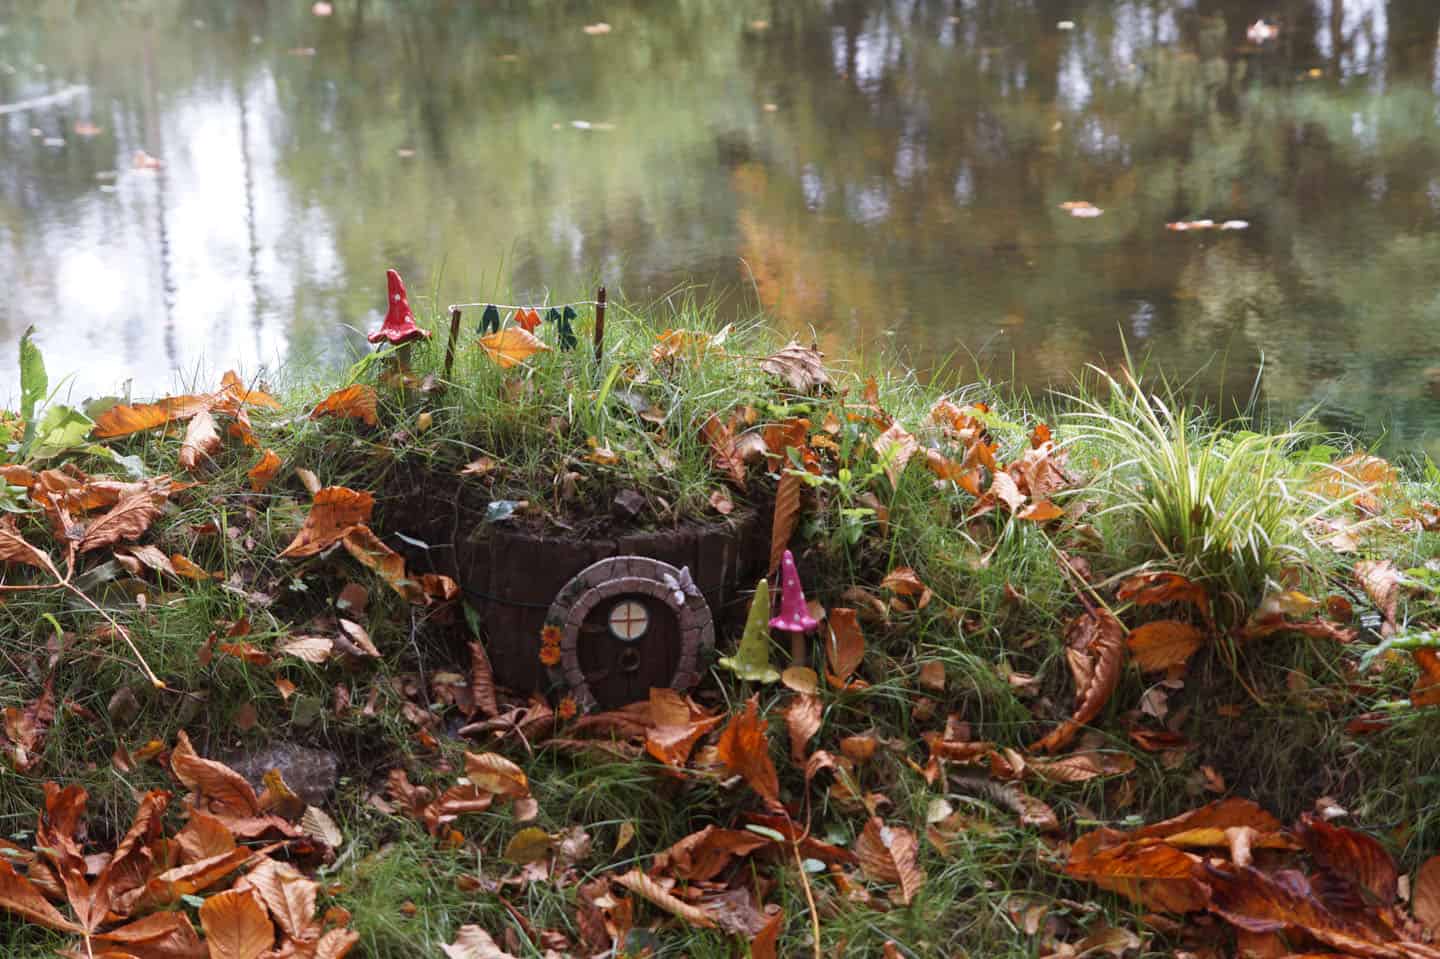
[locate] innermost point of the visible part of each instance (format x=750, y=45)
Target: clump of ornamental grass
x=1223, y=506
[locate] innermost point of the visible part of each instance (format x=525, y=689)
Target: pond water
x=890, y=174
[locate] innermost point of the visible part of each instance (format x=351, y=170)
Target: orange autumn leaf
x=202, y=442
x=1426, y=691
x=764, y=945
x=1381, y=580
x=676, y=725
x=1153, y=874
x=1351, y=855
x=1096, y=651
x=895, y=446
x=362, y=543
x=703, y=855
x=226, y=794
x=787, y=516
x=236, y=926
x=494, y=773
x=1259, y=902
x=289, y=897
x=904, y=581
x=889, y=854
x=1165, y=643
x=264, y=471
x=184, y=566
x=745, y=750
x=335, y=511
x=802, y=721
x=122, y=420
x=233, y=390
x=20, y=896
x=845, y=647
x=651, y=889
x=1425, y=894
x=15, y=549
x=511, y=346
x=1040, y=512
x=129, y=518
x=1158, y=589
x=1359, y=478
x=357, y=402
x=724, y=452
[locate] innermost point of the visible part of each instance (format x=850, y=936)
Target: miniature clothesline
x=537, y=306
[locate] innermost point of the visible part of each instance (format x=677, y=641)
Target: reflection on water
x=885, y=172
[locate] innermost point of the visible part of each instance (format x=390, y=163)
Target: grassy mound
x=1105, y=609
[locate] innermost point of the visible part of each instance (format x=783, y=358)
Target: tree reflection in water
x=903, y=188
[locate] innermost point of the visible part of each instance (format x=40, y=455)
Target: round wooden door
x=628, y=645
x=629, y=624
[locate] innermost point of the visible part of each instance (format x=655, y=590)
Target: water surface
x=889, y=174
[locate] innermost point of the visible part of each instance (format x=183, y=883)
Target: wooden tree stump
x=520, y=580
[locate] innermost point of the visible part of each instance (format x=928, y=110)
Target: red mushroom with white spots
x=399, y=328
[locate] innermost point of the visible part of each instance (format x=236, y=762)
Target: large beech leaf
x=1160, y=588
x=15, y=549
x=803, y=367
x=724, y=450
x=703, y=855
x=335, y=511
x=495, y=774
x=745, y=749
x=472, y=942
x=1096, y=650
x=129, y=518
x=162, y=934
x=362, y=543
x=19, y=896
x=511, y=346
x=289, y=896
x=787, y=515
x=122, y=420
x=1258, y=902
x=676, y=726
x=889, y=854
x=1351, y=855
x=202, y=441
x=264, y=470
x=1425, y=894
x=1163, y=644
x=236, y=926
x=353, y=402
x=651, y=889
x=1381, y=580
x=802, y=721
x=1150, y=872
x=845, y=647
x=224, y=792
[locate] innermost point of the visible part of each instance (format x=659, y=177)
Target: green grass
x=1161, y=485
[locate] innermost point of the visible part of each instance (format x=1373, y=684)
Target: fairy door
x=629, y=624
x=628, y=645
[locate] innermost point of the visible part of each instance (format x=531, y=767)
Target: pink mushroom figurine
x=794, y=617
x=399, y=328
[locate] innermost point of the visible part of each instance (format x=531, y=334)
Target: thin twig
x=809, y=898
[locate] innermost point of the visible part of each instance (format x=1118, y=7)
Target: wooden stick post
x=599, y=324
x=454, y=335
